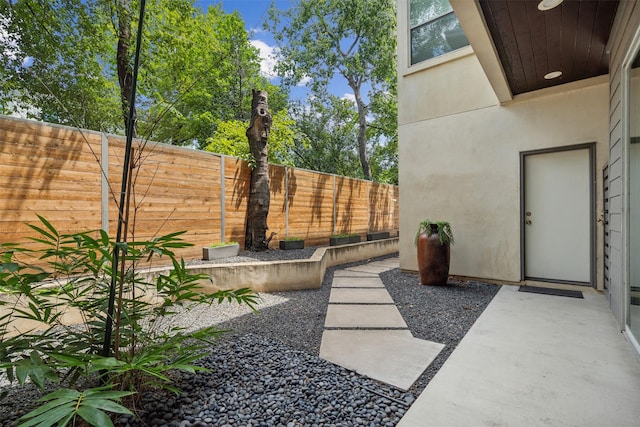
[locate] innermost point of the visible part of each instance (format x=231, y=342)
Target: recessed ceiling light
x=548, y=4
x=553, y=75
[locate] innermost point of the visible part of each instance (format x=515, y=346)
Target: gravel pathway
x=267, y=372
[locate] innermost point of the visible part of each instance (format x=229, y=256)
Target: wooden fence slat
x=55, y=171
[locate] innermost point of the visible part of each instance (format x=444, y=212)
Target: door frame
x=591, y=146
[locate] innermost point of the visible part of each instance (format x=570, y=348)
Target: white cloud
x=255, y=30
x=305, y=80
x=351, y=97
x=268, y=56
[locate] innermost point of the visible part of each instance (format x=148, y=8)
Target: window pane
x=421, y=11
x=437, y=38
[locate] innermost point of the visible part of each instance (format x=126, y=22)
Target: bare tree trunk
x=362, y=132
x=123, y=62
x=259, y=193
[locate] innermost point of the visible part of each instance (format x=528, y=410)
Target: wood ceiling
x=571, y=38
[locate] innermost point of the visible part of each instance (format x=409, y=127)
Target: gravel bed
x=256, y=381
x=441, y=314
x=267, y=372
x=270, y=255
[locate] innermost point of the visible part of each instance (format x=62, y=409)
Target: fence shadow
x=50, y=170
x=55, y=170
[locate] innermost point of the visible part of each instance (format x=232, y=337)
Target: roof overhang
x=475, y=28
x=517, y=44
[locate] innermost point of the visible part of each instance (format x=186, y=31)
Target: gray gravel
x=267, y=372
x=441, y=314
x=260, y=382
x=270, y=255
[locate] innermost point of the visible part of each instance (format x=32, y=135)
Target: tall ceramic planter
x=433, y=257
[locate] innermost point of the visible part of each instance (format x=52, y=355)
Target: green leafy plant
x=292, y=239
x=442, y=228
x=344, y=235
x=70, y=275
x=64, y=406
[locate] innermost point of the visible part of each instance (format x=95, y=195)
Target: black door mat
x=551, y=291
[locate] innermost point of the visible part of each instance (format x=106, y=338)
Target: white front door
x=557, y=216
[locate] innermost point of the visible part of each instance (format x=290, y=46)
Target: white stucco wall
x=443, y=89
x=459, y=158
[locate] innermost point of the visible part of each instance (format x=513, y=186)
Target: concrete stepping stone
x=368, y=268
x=363, y=316
x=393, y=357
x=360, y=296
x=357, y=282
x=346, y=273
x=388, y=266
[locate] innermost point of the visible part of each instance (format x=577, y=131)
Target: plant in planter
x=434, y=240
x=378, y=235
x=292, y=243
x=344, y=239
x=338, y=239
x=220, y=250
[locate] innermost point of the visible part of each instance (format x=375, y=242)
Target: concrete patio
x=534, y=360
x=529, y=359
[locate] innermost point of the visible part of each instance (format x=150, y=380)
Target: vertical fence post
x=286, y=202
x=104, y=166
x=369, y=185
x=335, y=208
x=223, y=235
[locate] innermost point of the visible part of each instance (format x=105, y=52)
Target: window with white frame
x=435, y=30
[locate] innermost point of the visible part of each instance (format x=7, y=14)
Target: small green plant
x=292, y=239
x=65, y=405
x=72, y=275
x=219, y=244
x=442, y=228
x=344, y=235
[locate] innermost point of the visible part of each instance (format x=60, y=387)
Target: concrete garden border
x=261, y=276
x=289, y=275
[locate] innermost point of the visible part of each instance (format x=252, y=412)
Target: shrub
x=77, y=276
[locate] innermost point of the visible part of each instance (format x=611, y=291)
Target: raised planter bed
x=220, y=251
x=287, y=245
x=338, y=240
x=344, y=239
x=378, y=235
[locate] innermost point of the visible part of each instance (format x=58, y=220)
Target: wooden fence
x=72, y=177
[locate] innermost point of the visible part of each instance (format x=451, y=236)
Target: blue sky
x=254, y=13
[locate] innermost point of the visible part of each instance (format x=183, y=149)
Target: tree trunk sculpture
x=259, y=192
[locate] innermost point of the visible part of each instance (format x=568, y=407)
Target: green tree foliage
x=355, y=39
x=197, y=68
x=326, y=136
x=199, y=76
x=63, y=67
x=230, y=139
x=383, y=135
